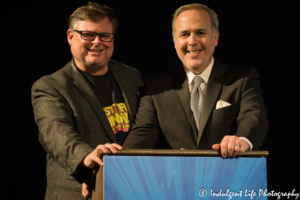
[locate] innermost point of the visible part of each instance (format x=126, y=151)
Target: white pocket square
x=222, y=104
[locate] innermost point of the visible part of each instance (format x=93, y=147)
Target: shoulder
x=241, y=69
x=235, y=76
x=115, y=65
x=125, y=74
x=55, y=80
x=166, y=81
x=168, y=76
x=235, y=72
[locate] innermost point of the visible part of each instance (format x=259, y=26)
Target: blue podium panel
x=184, y=178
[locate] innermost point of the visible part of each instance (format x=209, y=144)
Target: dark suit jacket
x=165, y=119
x=72, y=122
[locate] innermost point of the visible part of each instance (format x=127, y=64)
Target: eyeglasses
x=90, y=36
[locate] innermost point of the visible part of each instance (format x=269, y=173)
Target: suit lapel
x=212, y=93
x=182, y=88
x=85, y=89
x=128, y=92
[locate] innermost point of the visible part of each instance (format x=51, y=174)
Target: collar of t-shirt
x=204, y=75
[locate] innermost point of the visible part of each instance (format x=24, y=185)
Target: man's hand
x=231, y=146
x=93, y=157
x=85, y=190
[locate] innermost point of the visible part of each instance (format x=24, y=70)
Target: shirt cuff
x=250, y=144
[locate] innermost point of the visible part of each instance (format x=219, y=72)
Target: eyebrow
x=187, y=31
x=97, y=32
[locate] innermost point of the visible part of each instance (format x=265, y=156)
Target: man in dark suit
x=203, y=104
x=87, y=106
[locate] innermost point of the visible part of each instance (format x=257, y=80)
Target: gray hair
x=94, y=12
x=196, y=6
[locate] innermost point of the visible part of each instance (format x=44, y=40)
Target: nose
x=97, y=40
x=192, y=40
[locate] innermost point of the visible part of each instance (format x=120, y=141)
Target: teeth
x=194, y=51
x=93, y=50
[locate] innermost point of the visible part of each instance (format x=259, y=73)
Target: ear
x=217, y=38
x=70, y=35
x=174, y=39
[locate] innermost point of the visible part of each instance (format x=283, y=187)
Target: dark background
x=261, y=35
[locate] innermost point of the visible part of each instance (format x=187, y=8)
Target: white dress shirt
x=205, y=76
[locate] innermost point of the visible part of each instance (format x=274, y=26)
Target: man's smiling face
x=194, y=39
x=91, y=56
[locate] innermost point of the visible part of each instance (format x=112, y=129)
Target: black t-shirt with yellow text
x=112, y=101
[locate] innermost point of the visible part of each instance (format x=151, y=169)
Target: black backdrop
x=260, y=35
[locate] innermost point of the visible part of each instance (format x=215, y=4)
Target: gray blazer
x=165, y=119
x=72, y=122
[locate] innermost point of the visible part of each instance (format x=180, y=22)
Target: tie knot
x=197, y=81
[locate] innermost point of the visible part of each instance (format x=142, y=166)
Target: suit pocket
x=69, y=193
x=229, y=110
x=71, y=178
x=224, y=121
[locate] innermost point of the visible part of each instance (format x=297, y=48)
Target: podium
x=180, y=175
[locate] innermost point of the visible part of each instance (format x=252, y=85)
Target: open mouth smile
x=193, y=52
x=95, y=50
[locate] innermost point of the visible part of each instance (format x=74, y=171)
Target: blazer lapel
x=129, y=91
x=182, y=88
x=212, y=93
x=85, y=89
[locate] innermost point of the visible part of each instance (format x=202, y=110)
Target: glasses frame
x=99, y=34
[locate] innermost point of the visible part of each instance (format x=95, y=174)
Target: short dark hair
x=94, y=12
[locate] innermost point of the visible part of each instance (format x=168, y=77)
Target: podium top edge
x=173, y=152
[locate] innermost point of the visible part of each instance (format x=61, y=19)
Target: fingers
x=244, y=147
x=224, y=147
x=216, y=147
x=109, y=147
x=232, y=146
x=93, y=157
x=85, y=190
x=236, y=149
x=119, y=147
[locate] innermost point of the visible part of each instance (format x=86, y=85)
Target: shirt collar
x=204, y=75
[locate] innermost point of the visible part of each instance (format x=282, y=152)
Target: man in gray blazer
x=225, y=111
x=87, y=106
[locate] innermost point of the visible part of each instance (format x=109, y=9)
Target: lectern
x=180, y=175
